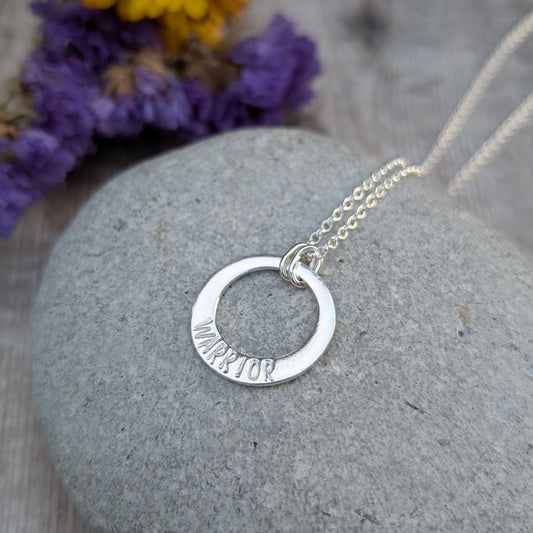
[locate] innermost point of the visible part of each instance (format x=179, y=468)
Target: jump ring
x=294, y=257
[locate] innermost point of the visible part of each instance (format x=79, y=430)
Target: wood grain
x=392, y=73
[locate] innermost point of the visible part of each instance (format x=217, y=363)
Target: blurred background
x=392, y=73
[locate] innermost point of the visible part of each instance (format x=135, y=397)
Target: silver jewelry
x=301, y=263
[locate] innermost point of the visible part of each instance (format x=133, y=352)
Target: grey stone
x=417, y=418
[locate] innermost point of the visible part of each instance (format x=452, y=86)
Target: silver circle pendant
x=231, y=364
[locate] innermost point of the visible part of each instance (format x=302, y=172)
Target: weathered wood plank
x=393, y=72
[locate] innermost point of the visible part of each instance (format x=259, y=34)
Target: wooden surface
x=393, y=72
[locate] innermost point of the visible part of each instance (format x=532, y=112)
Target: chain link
x=354, y=208
x=479, y=86
x=490, y=148
x=347, y=217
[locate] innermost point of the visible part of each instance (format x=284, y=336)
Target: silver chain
x=494, y=63
x=347, y=216
x=363, y=198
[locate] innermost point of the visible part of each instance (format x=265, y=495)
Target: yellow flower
x=180, y=18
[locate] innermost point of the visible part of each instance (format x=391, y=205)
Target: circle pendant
x=231, y=364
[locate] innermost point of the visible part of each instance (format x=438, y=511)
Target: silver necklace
x=301, y=263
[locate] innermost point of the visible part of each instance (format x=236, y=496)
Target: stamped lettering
x=269, y=368
x=254, y=368
x=235, y=366
x=204, y=329
x=231, y=357
x=218, y=351
x=242, y=362
x=209, y=343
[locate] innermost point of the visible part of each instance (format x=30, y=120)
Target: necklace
x=301, y=264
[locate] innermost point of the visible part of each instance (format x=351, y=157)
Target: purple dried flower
x=162, y=100
x=117, y=117
x=201, y=102
x=17, y=195
x=96, y=36
x=62, y=92
x=229, y=113
x=17, y=192
x=156, y=100
x=276, y=68
x=67, y=78
x=62, y=77
x=42, y=158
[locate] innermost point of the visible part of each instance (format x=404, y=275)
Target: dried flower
x=213, y=68
x=62, y=91
x=96, y=74
x=276, y=70
x=181, y=18
x=142, y=92
x=276, y=67
x=95, y=37
x=17, y=195
x=201, y=102
x=274, y=74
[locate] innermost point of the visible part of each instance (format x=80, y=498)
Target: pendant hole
x=264, y=315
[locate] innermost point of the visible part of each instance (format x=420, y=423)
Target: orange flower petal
x=235, y=7
x=209, y=32
x=175, y=21
x=99, y=4
x=196, y=9
x=130, y=10
x=175, y=5
x=180, y=18
x=173, y=39
x=155, y=9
